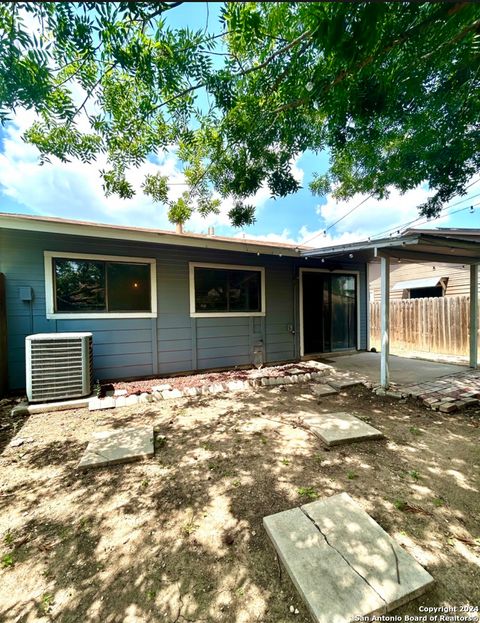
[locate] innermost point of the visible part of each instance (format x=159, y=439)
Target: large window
x=91, y=286
x=222, y=290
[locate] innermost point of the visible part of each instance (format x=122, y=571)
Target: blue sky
x=74, y=190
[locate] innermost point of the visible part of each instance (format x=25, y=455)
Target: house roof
x=439, y=245
x=143, y=234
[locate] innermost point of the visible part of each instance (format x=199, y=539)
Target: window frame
x=225, y=314
x=51, y=314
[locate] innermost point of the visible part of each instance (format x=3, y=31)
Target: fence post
x=473, y=315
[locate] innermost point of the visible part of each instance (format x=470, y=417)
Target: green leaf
x=390, y=91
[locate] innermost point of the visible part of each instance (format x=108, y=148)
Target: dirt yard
x=179, y=538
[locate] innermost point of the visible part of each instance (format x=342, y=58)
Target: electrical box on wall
x=26, y=293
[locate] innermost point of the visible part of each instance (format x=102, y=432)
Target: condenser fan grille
x=59, y=367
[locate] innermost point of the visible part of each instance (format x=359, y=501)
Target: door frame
x=356, y=274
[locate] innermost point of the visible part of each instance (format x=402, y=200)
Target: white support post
x=385, y=320
x=367, y=278
x=473, y=315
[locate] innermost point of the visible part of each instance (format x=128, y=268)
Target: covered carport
x=443, y=246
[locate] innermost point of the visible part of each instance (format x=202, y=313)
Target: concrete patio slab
x=339, y=428
x=118, y=446
x=369, y=550
x=344, y=565
x=403, y=370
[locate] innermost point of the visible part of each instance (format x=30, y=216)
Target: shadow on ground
x=10, y=425
x=180, y=537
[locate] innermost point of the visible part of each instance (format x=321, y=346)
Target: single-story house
x=159, y=302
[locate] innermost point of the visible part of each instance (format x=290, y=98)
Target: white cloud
x=311, y=238
x=386, y=216
x=284, y=237
x=297, y=172
x=391, y=214
x=375, y=215
x=74, y=189
x=371, y=217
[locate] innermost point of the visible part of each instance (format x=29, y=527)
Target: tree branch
x=90, y=91
x=240, y=74
x=369, y=59
x=286, y=71
x=162, y=9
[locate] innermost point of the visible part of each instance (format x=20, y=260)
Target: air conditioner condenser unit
x=58, y=366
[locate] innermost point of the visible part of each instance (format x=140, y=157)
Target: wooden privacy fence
x=437, y=325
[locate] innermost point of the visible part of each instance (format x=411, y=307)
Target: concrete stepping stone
x=323, y=390
x=118, y=446
x=343, y=564
x=337, y=428
x=338, y=384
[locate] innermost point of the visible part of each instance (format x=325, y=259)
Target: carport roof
x=445, y=245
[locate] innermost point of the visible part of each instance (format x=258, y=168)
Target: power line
x=425, y=220
x=472, y=208
x=475, y=182
x=408, y=223
x=398, y=227
x=324, y=232
x=348, y=213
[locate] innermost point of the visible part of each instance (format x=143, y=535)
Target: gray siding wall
x=172, y=342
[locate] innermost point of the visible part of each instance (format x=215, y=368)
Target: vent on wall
x=59, y=366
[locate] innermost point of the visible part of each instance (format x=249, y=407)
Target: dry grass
x=180, y=537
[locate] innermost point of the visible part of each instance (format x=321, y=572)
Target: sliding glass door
x=329, y=302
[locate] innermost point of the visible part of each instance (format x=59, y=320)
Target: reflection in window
x=79, y=285
x=344, y=311
x=98, y=286
x=227, y=290
x=128, y=287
